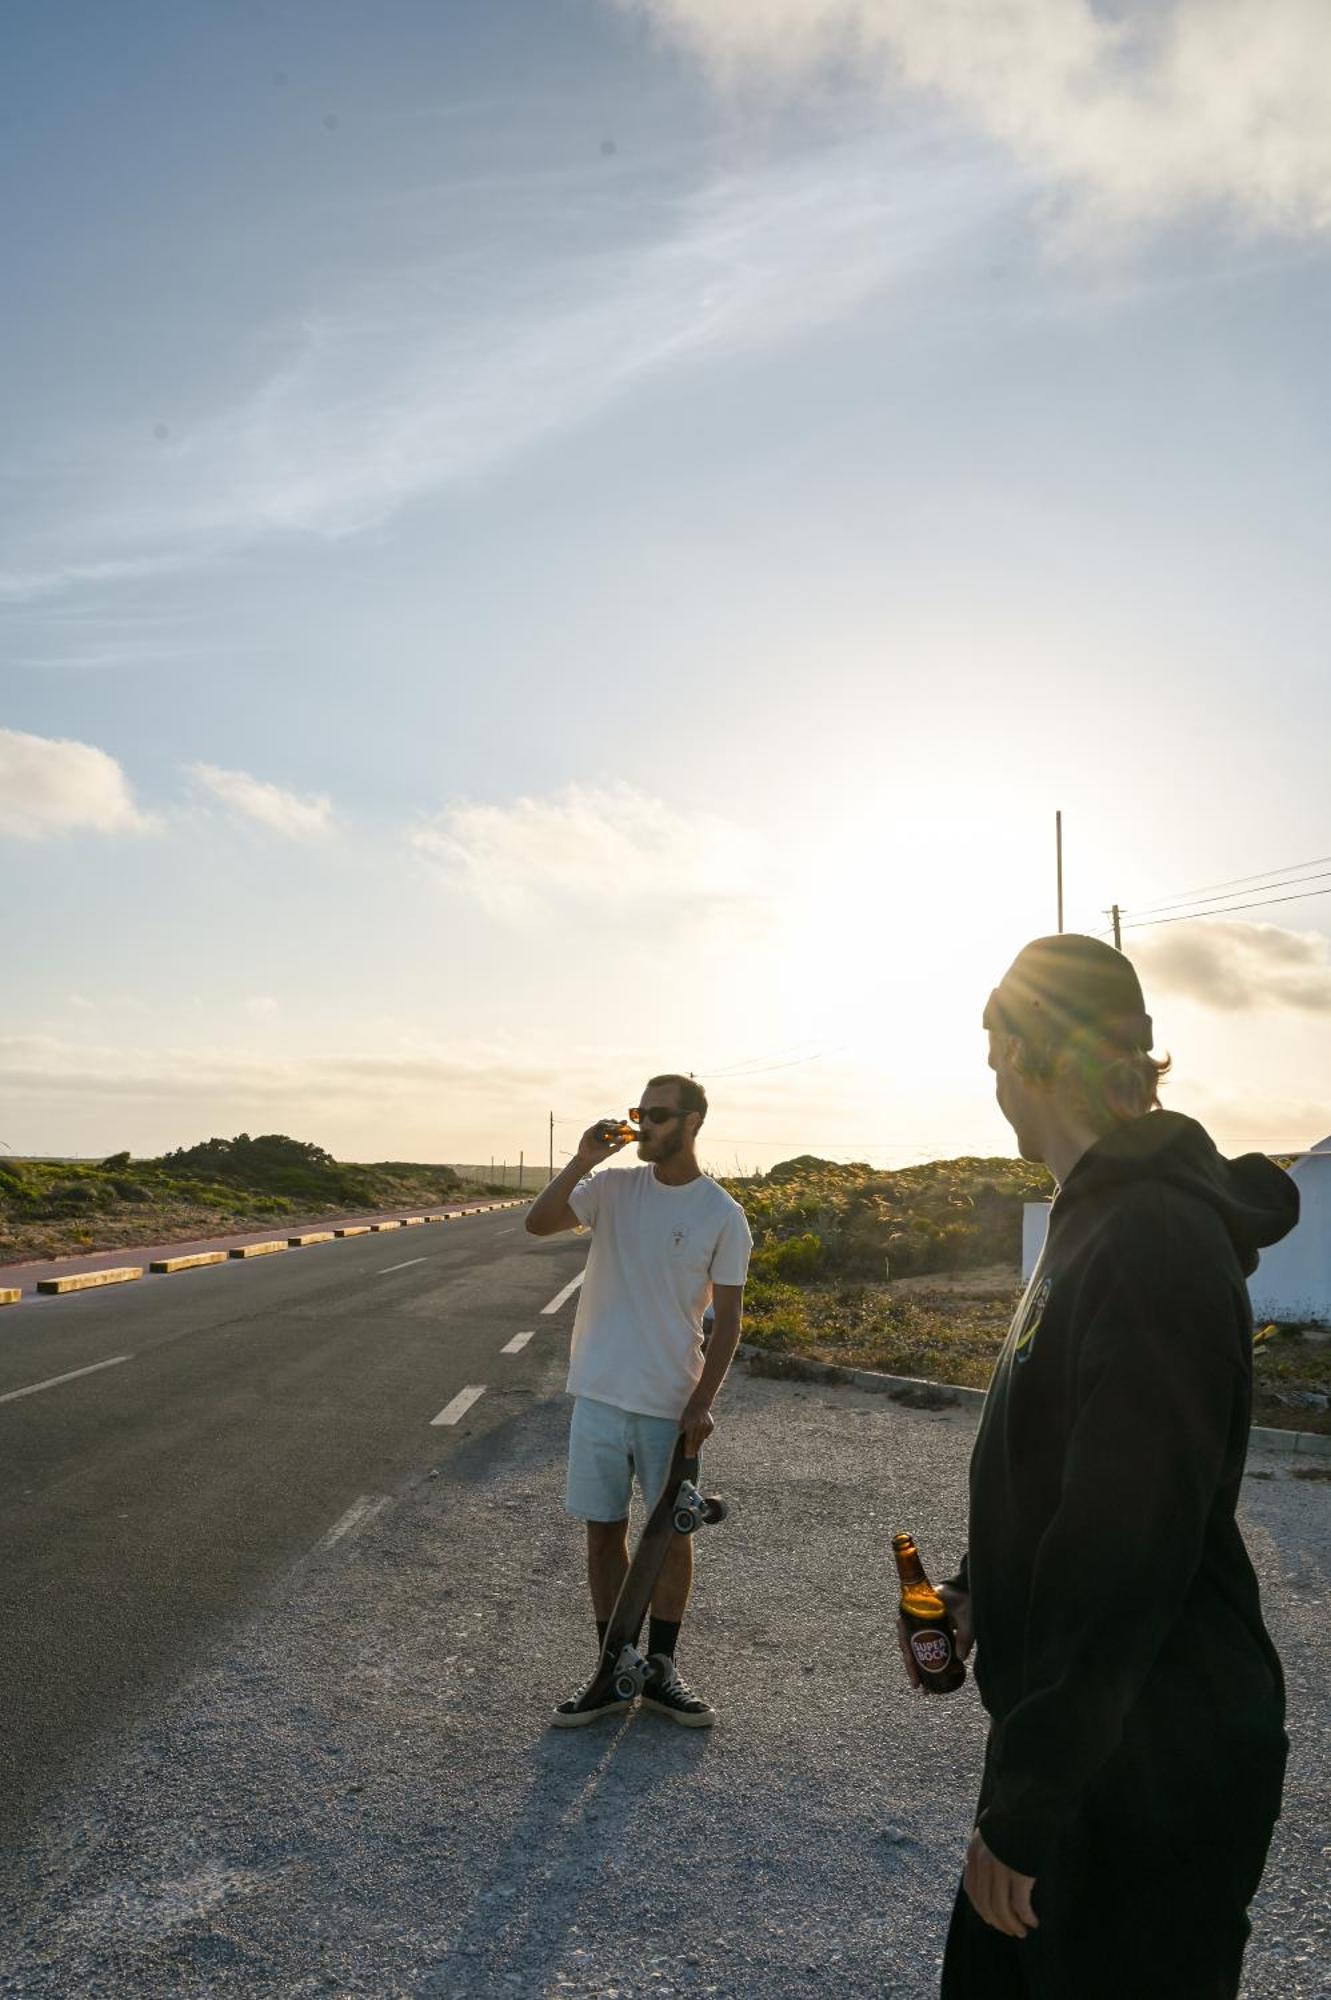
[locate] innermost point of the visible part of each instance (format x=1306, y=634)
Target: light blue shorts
x=607, y=1449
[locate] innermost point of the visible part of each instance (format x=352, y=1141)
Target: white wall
x=1034, y=1228
x=1293, y=1280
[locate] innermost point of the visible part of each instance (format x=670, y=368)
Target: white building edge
x=1293, y=1280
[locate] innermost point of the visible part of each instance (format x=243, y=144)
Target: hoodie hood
x=1256, y=1200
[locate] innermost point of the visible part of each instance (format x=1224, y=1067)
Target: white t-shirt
x=656, y=1252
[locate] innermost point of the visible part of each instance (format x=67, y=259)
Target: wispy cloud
x=1137, y=113
x=51, y=786
x=48, y=1065
x=1234, y=968
x=27, y=586
x=611, y=850
x=265, y=804
x=388, y=398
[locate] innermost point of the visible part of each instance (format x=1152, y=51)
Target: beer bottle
x=614, y=1131
x=932, y=1634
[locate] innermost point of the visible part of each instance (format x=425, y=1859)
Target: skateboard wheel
x=626, y=1686
x=685, y=1521
x=716, y=1509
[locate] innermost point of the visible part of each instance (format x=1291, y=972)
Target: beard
x=674, y=1144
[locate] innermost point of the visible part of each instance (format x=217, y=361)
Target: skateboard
x=680, y=1509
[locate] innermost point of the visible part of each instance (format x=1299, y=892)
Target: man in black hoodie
x=1136, y=1751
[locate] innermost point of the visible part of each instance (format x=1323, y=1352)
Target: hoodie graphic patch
x=1032, y=1320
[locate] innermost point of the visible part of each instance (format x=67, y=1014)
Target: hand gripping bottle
x=932, y=1634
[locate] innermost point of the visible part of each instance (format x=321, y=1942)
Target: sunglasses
x=655, y=1114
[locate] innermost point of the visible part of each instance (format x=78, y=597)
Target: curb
x=915, y=1392
x=86, y=1281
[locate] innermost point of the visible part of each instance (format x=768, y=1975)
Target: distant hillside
x=52, y=1207
x=814, y=1218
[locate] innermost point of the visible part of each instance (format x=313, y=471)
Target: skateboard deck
x=680, y=1509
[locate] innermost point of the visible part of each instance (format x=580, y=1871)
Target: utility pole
x=552, y=1145
x=1118, y=928
x=1058, y=846
x=522, y=1179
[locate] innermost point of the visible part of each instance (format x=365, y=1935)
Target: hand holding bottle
x=603, y=1140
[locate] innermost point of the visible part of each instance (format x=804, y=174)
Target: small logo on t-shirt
x=679, y=1237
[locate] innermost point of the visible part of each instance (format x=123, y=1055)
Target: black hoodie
x=1118, y=1629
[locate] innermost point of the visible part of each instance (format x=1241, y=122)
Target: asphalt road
x=247, y=1406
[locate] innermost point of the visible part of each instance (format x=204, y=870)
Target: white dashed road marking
x=567, y=1293
x=516, y=1345
x=357, y=1514
x=460, y=1404
x=400, y=1267
x=74, y=1373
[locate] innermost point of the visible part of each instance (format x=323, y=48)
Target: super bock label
x=932, y=1650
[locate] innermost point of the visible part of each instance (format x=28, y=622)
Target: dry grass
x=949, y=1327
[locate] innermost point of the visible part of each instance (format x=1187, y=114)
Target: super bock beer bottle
x=932, y=1634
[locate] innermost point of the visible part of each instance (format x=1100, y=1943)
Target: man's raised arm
x=550, y=1213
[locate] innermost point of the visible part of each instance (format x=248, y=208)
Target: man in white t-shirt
x=665, y=1239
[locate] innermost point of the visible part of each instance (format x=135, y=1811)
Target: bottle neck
x=909, y=1567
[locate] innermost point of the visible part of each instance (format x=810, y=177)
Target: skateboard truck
x=690, y=1509
x=630, y=1673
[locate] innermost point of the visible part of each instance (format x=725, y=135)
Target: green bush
x=797, y=1258
x=948, y=1215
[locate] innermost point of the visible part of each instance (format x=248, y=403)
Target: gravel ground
x=358, y=1792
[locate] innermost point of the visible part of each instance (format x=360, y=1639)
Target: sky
x=547, y=543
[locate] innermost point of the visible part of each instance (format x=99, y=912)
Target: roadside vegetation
x=918, y=1272
x=52, y=1208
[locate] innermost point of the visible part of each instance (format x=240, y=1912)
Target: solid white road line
x=567, y=1293
x=72, y=1376
x=460, y=1404
x=400, y=1267
x=357, y=1514
x=516, y=1345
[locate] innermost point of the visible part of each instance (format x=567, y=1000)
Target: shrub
x=797, y=1259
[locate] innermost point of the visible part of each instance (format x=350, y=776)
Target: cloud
x=262, y=1006
x=268, y=805
x=28, y=586
x=383, y=399
x=1140, y=112
x=45, y=1066
x=1234, y=968
x=615, y=850
x=1261, y=1121
x=50, y=785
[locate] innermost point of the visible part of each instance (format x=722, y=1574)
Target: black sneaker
x=582, y=1707
x=671, y=1696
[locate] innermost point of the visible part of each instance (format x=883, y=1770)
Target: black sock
x=663, y=1635
x=601, y=1627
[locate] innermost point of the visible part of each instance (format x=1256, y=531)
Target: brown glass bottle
x=932, y=1634
x=614, y=1131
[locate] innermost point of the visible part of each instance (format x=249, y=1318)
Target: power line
x=1204, y=893
x=1232, y=910
x=1222, y=904
x=755, y=1065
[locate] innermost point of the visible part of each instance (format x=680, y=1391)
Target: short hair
x=692, y=1096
